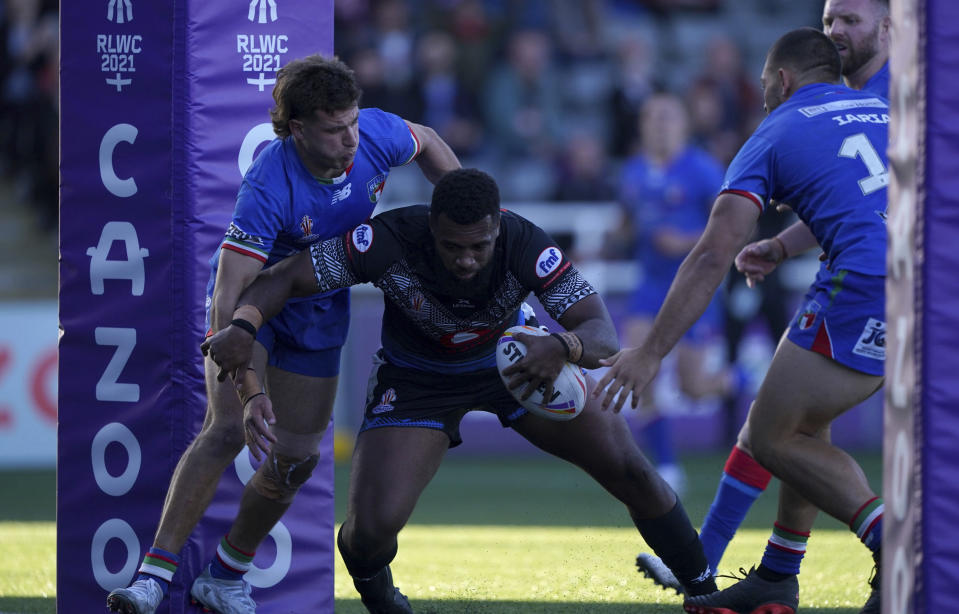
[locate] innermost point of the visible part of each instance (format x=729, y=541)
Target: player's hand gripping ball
x=569, y=389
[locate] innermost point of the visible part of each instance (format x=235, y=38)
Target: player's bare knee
x=289, y=464
x=222, y=440
x=743, y=442
x=280, y=477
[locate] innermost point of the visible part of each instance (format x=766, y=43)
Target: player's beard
x=856, y=57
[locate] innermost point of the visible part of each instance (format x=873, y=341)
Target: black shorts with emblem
x=400, y=396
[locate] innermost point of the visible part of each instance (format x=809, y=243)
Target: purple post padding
x=902, y=437
x=940, y=304
x=162, y=107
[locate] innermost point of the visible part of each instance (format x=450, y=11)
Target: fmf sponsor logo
x=548, y=261
x=363, y=237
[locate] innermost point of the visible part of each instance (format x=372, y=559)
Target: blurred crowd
x=545, y=94
x=29, y=158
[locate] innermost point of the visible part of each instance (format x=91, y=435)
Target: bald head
x=809, y=53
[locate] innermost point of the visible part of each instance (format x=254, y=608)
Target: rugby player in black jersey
x=455, y=275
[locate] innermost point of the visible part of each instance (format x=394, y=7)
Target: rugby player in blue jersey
x=822, y=150
x=666, y=191
x=860, y=29
x=320, y=178
x=454, y=276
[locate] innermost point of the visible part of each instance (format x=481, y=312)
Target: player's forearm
x=273, y=286
x=595, y=334
x=797, y=239
x=436, y=159
x=599, y=340
x=692, y=290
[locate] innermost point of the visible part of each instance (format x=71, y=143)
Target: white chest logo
x=341, y=194
x=363, y=237
x=548, y=261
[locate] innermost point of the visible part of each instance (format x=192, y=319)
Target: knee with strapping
x=281, y=476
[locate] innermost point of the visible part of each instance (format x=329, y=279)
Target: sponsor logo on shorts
x=808, y=315
x=374, y=187
x=872, y=341
x=363, y=237
x=386, y=402
x=548, y=261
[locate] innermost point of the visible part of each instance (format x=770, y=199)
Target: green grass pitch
x=492, y=536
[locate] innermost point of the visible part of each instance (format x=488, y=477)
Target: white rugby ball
x=569, y=389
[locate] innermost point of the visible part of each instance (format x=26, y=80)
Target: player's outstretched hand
x=630, y=371
x=543, y=361
x=231, y=349
x=759, y=259
x=257, y=418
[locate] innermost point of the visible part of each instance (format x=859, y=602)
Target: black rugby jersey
x=427, y=324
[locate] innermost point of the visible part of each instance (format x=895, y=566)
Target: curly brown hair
x=309, y=84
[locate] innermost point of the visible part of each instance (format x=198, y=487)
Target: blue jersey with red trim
x=675, y=196
x=281, y=208
x=823, y=151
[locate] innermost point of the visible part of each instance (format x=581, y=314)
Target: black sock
x=674, y=540
x=769, y=575
x=359, y=568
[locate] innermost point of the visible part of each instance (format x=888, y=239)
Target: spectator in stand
x=584, y=170
x=522, y=109
x=444, y=100
x=524, y=116
x=29, y=103
x=632, y=85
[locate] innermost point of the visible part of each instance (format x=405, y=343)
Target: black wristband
x=245, y=325
x=563, y=341
x=251, y=397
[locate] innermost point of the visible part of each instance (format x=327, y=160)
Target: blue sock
x=230, y=563
x=867, y=523
x=659, y=435
x=158, y=565
x=742, y=482
x=785, y=550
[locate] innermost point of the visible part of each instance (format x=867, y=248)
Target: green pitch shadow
x=420, y=606
x=28, y=605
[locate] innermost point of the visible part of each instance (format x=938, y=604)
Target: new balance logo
x=341, y=194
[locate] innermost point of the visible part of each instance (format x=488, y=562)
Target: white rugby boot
x=141, y=597
x=222, y=596
x=655, y=569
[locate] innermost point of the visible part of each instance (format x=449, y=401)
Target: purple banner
x=940, y=301
x=162, y=107
x=233, y=52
